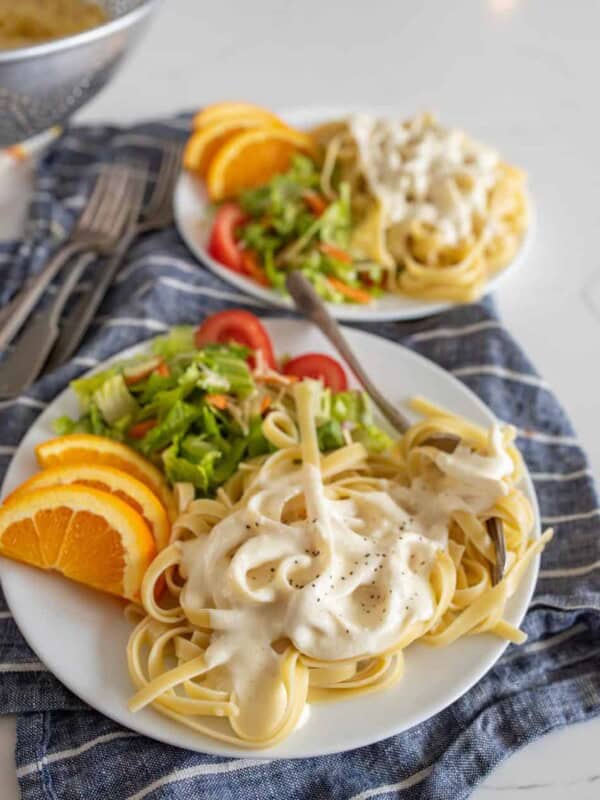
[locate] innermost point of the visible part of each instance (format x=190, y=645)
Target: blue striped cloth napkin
x=67, y=751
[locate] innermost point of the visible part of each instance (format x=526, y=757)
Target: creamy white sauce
x=342, y=583
x=420, y=170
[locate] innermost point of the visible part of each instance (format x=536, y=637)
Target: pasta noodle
x=310, y=574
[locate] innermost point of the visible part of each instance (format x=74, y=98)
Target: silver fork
x=111, y=205
x=158, y=213
x=96, y=229
x=308, y=302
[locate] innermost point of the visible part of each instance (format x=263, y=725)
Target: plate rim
x=269, y=298
x=204, y=744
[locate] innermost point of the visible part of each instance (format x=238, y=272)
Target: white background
x=522, y=75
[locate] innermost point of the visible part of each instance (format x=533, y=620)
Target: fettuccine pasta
x=439, y=212
x=309, y=574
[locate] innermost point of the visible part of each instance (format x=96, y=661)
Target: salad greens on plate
x=288, y=223
x=198, y=411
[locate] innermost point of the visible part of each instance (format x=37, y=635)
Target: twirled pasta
x=435, y=237
x=310, y=574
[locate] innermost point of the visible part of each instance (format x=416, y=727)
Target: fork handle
x=26, y=300
x=309, y=303
x=75, y=326
x=8, y=309
x=26, y=360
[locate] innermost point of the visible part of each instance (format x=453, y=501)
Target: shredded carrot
x=351, y=292
x=315, y=202
x=253, y=268
x=219, y=401
x=163, y=370
x=140, y=429
x=275, y=379
x=266, y=402
x=335, y=252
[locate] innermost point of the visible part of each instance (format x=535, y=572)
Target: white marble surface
x=522, y=75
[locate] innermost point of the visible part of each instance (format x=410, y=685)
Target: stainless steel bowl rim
x=91, y=35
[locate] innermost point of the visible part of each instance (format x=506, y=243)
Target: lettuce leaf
x=201, y=463
x=224, y=369
x=374, y=439
x=276, y=198
x=114, y=400
x=210, y=426
x=179, y=340
x=85, y=388
x=97, y=424
x=336, y=220
x=63, y=426
x=257, y=442
x=228, y=463
x=199, y=474
x=175, y=424
x=352, y=406
x=195, y=446
x=330, y=436
x=148, y=389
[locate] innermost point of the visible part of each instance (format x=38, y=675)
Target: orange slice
x=84, y=448
x=204, y=143
x=89, y=536
x=251, y=158
x=107, y=479
x=220, y=111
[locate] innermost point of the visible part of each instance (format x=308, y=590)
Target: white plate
x=81, y=635
x=193, y=217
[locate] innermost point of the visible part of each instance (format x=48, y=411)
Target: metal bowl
x=42, y=85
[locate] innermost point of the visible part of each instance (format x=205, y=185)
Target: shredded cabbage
x=180, y=339
x=114, y=400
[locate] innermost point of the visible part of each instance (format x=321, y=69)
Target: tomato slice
x=237, y=325
x=222, y=244
x=319, y=367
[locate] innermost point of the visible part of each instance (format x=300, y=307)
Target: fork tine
x=169, y=168
x=103, y=203
x=171, y=179
x=136, y=189
x=96, y=197
x=175, y=167
x=154, y=202
x=137, y=200
x=165, y=208
x=112, y=207
x=128, y=208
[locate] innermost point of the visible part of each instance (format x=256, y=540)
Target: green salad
x=199, y=412
x=288, y=224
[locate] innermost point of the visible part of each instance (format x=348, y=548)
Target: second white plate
x=193, y=216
